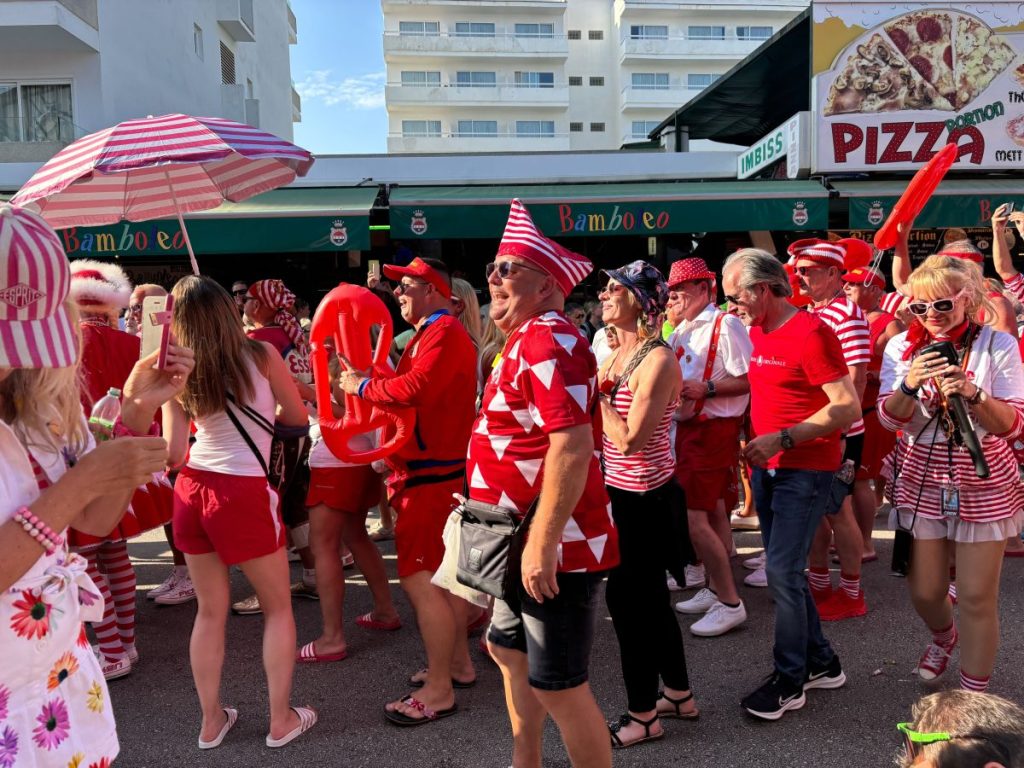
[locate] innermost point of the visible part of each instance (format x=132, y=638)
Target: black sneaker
x=831, y=676
x=777, y=696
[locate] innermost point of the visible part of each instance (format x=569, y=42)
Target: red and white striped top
x=854, y=334
x=892, y=302
x=923, y=455
x=648, y=468
x=1015, y=285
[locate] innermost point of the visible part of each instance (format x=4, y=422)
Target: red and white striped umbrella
x=159, y=167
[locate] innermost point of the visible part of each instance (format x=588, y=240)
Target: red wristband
x=122, y=430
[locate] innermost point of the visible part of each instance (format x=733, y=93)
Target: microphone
x=959, y=410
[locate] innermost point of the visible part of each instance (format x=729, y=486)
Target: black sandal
x=678, y=714
x=626, y=719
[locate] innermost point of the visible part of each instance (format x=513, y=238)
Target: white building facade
x=71, y=67
x=556, y=75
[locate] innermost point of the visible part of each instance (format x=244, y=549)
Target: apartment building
x=71, y=67
x=556, y=75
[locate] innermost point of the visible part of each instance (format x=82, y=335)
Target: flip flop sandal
x=307, y=719
x=215, y=742
x=626, y=719
x=307, y=655
x=677, y=714
x=429, y=715
x=366, y=621
x=418, y=682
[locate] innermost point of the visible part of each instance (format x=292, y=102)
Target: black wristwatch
x=711, y=389
x=786, y=439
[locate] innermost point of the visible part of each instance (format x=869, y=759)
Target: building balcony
x=656, y=98
x=512, y=96
x=450, y=45
x=35, y=141
x=499, y=142
x=543, y=6
x=40, y=26
x=296, y=106
x=293, y=27
x=237, y=19
x=232, y=102
x=725, y=6
x=686, y=48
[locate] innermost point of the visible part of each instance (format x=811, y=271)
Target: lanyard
x=710, y=364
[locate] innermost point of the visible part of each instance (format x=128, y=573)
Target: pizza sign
x=894, y=83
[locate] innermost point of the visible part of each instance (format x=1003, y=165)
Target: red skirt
x=152, y=506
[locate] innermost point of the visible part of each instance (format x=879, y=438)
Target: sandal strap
x=676, y=702
x=427, y=712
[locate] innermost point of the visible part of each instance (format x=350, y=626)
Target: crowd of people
x=624, y=432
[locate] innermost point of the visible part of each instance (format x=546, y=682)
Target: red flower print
x=104, y=763
x=32, y=616
x=83, y=639
x=53, y=724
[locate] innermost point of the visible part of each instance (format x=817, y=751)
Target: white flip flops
x=232, y=719
x=307, y=719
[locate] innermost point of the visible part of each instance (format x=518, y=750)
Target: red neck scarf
x=918, y=336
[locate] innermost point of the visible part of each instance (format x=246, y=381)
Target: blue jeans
x=790, y=504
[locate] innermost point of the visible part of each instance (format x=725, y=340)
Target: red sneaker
x=821, y=596
x=935, y=659
x=841, y=606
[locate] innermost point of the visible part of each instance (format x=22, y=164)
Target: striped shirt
x=891, y=302
x=854, y=334
x=1015, y=285
x=648, y=468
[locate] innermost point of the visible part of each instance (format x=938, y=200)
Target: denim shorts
x=555, y=635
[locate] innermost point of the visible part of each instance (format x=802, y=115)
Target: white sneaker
x=699, y=603
x=755, y=563
x=758, y=578
x=119, y=667
x=719, y=619
x=744, y=523
x=673, y=585
x=695, y=576
x=182, y=592
x=165, y=587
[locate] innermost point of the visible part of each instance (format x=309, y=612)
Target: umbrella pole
x=181, y=223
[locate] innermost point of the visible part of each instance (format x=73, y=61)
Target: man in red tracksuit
x=436, y=376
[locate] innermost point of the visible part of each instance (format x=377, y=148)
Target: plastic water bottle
x=104, y=414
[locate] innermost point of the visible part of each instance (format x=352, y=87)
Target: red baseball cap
x=865, y=276
x=419, y=268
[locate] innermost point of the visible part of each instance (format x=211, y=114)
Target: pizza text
x=903, y=142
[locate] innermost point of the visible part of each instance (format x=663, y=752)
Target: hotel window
x=535, y=79
x=419, y=28
x=648, y=32
x=478, y=128
x=575, y=127
x=36, y=113
x=700, y=81
x=597, y=127
x=476, y=79
x=535, y=30
x=197, y=40
x=227, y=65
x=414, y=128
x=421, y=79
x=595, y=34
x=575, y=80
x=753, y=33
x=650, y=81
x=535, y=128
x=642, y=128
x=474, y=29
x=705, y=33
x=575, y=34
x=597, y=81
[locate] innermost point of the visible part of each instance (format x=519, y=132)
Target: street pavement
x=853, y=727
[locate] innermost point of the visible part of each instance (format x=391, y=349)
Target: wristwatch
x=786, y=439
x=711, y=389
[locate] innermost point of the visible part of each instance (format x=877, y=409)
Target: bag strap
x=248, y=440
x=634, y=363
x=710, y=364
x=261, y=421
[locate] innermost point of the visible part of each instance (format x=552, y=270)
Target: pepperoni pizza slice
x=981, y=54
x=925, y=38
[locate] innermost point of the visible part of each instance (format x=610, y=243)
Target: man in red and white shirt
x=713, y=350
x=819, y=266
x=533, y=443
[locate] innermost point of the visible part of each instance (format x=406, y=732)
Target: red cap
x=419, y=268
x=858, y=252
x=685, y=270
x=523, y=239
x=865, y=276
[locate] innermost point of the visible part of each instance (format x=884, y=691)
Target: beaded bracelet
x=38, y=530
x=123, y=430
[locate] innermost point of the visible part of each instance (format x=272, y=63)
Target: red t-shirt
x=298, y=365
x=546, y=381
x=787, y=369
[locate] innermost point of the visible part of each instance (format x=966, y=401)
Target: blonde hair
x=492, y=340
x=46, y=403
x=647, y=327
x=946, y=276
x=206, y=320
x=470, y=317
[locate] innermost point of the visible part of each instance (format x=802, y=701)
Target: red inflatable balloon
x=347, y=315
x=915, y=196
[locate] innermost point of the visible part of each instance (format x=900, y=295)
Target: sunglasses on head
x=920, y=308
x=914, y=740
x=507, y=269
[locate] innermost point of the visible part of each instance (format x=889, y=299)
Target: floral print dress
x=54, y=705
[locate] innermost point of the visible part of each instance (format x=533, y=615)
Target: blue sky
x=338, y=69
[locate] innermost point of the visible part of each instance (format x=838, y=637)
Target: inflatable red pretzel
x=347, y=314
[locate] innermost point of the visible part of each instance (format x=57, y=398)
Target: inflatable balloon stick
x=347, y=316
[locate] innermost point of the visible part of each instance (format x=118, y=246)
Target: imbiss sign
x=894, y=83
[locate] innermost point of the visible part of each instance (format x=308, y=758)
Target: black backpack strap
x=248, y=440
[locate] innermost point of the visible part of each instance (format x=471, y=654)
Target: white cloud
x=361, y=92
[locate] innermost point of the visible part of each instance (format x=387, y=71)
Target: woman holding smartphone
x=937, y=495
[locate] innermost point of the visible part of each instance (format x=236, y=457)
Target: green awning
x=281, y=221
x=610, y=209
x=956, y=203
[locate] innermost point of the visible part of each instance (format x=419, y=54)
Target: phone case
x=156, y=326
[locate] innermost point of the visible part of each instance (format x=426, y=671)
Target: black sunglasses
x=507, y=269
x=402, y=288
x=239, y=293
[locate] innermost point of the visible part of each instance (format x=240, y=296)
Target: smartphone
x=1009, y=207
x=156, y=326
x=374, y=265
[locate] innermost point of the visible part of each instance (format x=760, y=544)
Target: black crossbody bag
x=491, y=548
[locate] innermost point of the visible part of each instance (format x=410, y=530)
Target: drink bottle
x=104, y=414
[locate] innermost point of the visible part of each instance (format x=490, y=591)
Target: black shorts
x=555, y=635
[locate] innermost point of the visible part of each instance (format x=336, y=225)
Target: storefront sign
x=893, y=84
x=965, y=210
x=789, y=140
x=924, y=242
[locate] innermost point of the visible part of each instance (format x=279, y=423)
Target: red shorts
x=236, y=517
x=422, y=512
x=707, y=452
x=878, y=443
x=347, y=489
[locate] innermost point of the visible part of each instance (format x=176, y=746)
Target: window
x=421, y=128
x=642, y=128
x=421, y=79
x=597, y=81
x=753, y=33
x=535, y=79
x=250, y=92
x=474, y=29
x=648, y=32
x=476, y=79
x=575, y=127
x=575, y=34
x=595, y=34
x=597, y=127
x=535, y=128
x=535, y=30
x=197, y=40
x=36, y=113
x=227, y=65
x=705, y=33
x=575, y=80
x=650, y=81
x=699, y=82
x=478, y=128
x=419, y=28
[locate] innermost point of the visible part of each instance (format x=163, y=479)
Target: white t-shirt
x=320, y=456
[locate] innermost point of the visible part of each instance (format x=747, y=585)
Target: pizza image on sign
x=932, y=59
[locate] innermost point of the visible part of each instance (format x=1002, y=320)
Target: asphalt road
x=854, y=727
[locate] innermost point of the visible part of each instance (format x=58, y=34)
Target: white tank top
x=220, y=448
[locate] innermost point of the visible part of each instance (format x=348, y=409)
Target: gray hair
x=758, y=266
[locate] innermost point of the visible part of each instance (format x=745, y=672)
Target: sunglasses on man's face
x=239, y=293
x=920, y=308
x=805, y=271
x=507, y=269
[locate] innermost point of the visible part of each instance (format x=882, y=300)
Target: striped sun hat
x=523, y=239
x=35, y=330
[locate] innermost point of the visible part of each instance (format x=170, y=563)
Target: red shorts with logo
x=236, y=517
x=707, y=452
x=347, y=489
x=422, y=512
x=878, y=443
